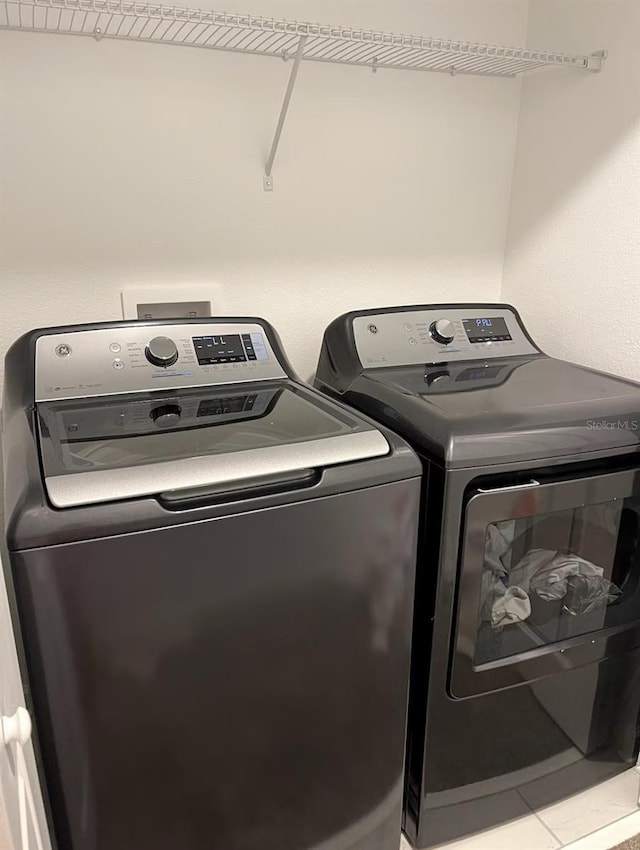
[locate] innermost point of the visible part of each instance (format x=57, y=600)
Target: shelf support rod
x=267, y=179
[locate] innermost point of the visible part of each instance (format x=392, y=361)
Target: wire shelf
x=121, y=19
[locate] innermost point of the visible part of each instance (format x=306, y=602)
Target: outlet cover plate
x=181, y=301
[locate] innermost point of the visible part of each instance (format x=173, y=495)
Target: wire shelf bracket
x=267, y=180
x=250, y=34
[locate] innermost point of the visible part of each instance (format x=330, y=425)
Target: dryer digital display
x=479, y=330
x=482, y=374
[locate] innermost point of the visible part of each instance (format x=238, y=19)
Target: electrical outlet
x=174, y=310
x=169, y=302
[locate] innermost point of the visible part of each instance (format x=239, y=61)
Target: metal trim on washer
x=92, y=487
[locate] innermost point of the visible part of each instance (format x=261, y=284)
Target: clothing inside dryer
x=553, y=576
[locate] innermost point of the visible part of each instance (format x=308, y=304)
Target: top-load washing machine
x=526, y=671
x=213, y=572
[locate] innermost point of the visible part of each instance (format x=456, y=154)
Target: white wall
x=137, y=164
x=573, y=256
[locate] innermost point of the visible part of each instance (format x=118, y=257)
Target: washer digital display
x=229, y=348
x=219, y=349
x=479, y=330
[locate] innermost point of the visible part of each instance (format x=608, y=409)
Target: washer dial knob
x=161, y=351
x=166, y=416
x=443, y=331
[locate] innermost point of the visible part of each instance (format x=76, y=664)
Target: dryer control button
x=439, y=378
x=443, y=331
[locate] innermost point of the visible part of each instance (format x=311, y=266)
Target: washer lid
x=482, y=412
x=107, y=449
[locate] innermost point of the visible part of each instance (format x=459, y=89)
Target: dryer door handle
x=526, y=485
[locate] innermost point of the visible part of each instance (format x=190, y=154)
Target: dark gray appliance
x=213, y=568
x=526, y=671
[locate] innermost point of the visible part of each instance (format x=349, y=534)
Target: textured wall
x=137, y=164
x=573, y=257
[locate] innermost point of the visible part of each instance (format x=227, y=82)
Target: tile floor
x=596, y=819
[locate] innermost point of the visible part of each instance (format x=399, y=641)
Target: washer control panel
x=438, y=335
x=109, y=361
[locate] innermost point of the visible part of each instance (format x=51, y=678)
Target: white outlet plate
x=157, y=301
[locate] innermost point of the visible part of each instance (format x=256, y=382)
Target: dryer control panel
x=439, y=334
x=138, y=358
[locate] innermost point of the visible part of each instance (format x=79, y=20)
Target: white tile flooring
x=596, y=819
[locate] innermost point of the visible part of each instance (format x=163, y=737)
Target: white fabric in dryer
x=512, y=607
x=502, y=605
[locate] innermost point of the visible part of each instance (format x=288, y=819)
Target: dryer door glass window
x=550, y=577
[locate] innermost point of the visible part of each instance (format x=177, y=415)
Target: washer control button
x=161, y=351
x=115, y=348
x=118, y=364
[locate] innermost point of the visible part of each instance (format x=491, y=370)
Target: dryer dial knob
x=161, y=351
x=166, y=416
x=443, y=331
x=437, y=379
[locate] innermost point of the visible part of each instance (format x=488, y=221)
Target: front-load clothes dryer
x=526, y=670
x=213, y=573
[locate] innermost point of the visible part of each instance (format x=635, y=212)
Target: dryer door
x=549, y=579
